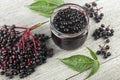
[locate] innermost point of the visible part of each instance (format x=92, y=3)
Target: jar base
x=70, y=43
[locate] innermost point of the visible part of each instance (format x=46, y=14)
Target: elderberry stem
x=20, y=27
x=37, y=25
x=108, y=26
x=33, y=42
x=99, y=8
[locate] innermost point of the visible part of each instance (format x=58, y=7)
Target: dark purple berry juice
x=69, y=26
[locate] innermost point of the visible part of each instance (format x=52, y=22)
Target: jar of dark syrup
x=69, y=26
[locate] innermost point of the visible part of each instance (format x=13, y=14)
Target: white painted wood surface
x=16, y=12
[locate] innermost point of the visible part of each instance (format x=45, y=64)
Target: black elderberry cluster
x=22, y=61
x=105, y=33
x=8, y=37
x=93, y=11
x=70, y=21
x=104, y=51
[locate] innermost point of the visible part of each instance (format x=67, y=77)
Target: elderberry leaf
x=92, y=53
x=45, y=7
x=94, y=69
x=79, y=63
x=54, y=2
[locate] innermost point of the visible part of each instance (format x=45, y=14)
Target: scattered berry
x=105, y=56
x=102, y=25
x=107, y=40
x=107, y=47
x=93, y=11
x=108, y=54
x=103, y=32
x=94, y=4
x=104, y=51
x=2, y=72
x=98, y=52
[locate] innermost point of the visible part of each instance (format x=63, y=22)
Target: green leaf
x=42, y=7
x=78, y=63
x=81, y=63
x=94, y=69
x=92, y=53
x=45, y=7
x=56, y=2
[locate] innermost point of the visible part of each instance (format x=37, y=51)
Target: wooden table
x=16, y=12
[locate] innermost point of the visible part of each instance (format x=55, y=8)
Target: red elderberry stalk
x=28, y=34
x=98, y=9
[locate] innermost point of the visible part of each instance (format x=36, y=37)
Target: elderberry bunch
x=103, y=32
x=21, y=53
x=93, y=11
x=8, y=37
x=104, y=51
x=70, y=21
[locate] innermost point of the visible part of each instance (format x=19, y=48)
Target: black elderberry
x=101, y=29
x=2, y=72
x=21, y=76
x=100, y=17
x=94, y=4
x=97, y=20
x=107, y=29
x=112, y=31
x=98, y=52
x=7, y=74
x=105, y=37
x=108, y=33
x=105, y=56
x=96, y=14
x=91, y=15
x=50, y=53
x=10, y=76
x=13, y=26
x=101, y=14
x=87, y=5
x=108, y=54
x=107, y=47
x=107, y=40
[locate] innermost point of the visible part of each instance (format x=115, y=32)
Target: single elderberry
x=98, y=52
x=108, y=54
x=94, y=4
x=107, y=40
x=107, y=47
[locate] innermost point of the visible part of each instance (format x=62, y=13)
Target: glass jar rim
x=66, y=34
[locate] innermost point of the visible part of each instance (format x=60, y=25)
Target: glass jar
x=69, y=41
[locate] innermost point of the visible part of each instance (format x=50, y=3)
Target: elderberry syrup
x=69, y=26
